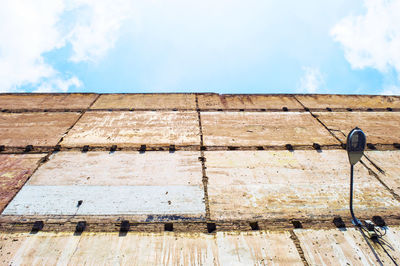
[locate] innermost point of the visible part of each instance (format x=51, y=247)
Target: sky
x=222, y=46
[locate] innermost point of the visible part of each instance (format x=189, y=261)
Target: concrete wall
x=146, y=101
x=349, y=101
x=127, y=129
x=263, y=128
x=255, y=185
x=38, y=129
x=235, y=102
x=214, y=168
x=14, y=171
x=61, y=102
x=380, y=127
x=150, y=249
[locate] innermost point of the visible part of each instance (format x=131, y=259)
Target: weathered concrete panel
x=14, y=171
x=37, y=129
x=253, y=248
x=77, y=101
x=108, y=200
x=146, y=101
x=380, y=127
x=263, y=128
x=135, y=128
x=349, y=101
x=251, y=185
x=231, y=101
x=257, y=248
x=389, y=164
x=120, y=169
x=348, y=247
x=38, y=249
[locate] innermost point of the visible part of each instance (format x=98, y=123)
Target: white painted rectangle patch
x=109, y=200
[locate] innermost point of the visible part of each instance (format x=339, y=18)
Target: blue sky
x=224, y=46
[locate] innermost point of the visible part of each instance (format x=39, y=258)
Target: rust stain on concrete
x=14, y=171
x=348, y=247
x=120, y=169
x=380, y=127
x=250, y=248
x=37, y=129
x=76, y=101
x=263, y=128
x=146, y=101
x=251, y=185
x=231, y=101
x=127, y=129
x=349, y=101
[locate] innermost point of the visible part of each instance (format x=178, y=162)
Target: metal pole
x=356, y=222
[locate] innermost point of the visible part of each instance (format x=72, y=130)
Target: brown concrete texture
x=386, y=165
x=37, y=129
x=380, y=127
x=146, y=101
x=14, y=171
x=348, y=247
x=349, y=101
x=248, y=185
x=263, y=128
x=226, y=101
x=127, y=129
x=251, y=248
x=46, y=101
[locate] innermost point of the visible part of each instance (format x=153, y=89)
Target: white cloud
x=372, y=39
x=312, y=80
x=391, y=90
x=59, y=85
x=28, y=29
x=96, y=28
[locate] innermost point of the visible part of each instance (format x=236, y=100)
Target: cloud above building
x=30, y=29
x=372, y=40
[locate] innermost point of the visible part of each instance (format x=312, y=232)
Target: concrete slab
x=146, y=101
x=263, y=128
x=348, y=247
x=14, y=171
x=238, y=101
x=185, y=201
x=253, y=248
x=132, y=129
x=388, y=163
x=348, y=101
x=380, y=127
x=121, y=183
x=120, y=169
x=256, y=185
x=257, y=248
x=51, y=101
x=37, y=129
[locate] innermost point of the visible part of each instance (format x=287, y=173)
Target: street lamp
x=355, y=147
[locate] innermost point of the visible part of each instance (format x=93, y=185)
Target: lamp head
x=355, y=145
